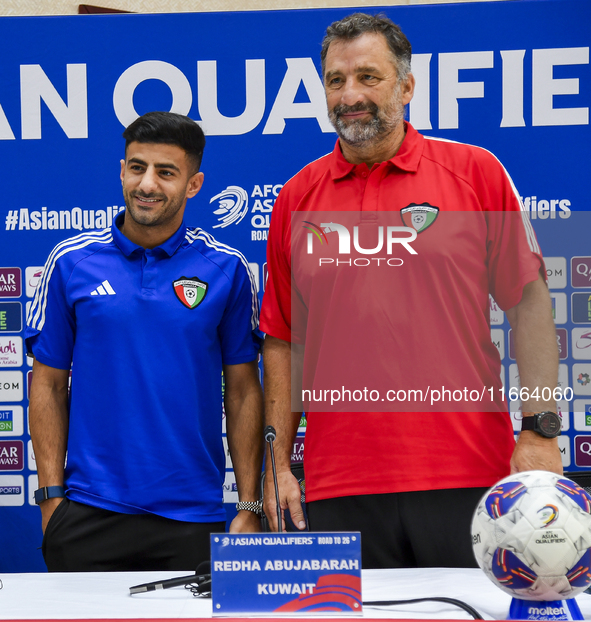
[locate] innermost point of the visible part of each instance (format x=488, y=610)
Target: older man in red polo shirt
x=447, y=220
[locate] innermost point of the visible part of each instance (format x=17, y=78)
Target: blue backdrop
x=513, y=77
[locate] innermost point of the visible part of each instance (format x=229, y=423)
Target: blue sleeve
x=239, y=329
x=51, y=324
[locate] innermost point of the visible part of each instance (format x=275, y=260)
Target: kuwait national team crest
x=190, y=291
x=419, y=217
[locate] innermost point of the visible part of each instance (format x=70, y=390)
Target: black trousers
x=407, y=529
x=81, y=538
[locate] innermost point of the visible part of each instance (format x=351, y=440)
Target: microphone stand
x=270, y=436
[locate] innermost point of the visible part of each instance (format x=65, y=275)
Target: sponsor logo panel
x=582, y=415
x=10, y=282
x=11, y=351
x=33, y=275
x=12, y=490
x=583, y=450
x=11, y=317
x=581, y=308
x=581, y=343
x=12, y=455
x=582, y=378
x=556, y=272
x=11, y=386
x=11, y=420
x=581, y=272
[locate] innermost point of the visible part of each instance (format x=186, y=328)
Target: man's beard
x=151, y=219
x=359, y=131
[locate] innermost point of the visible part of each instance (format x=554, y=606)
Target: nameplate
x=290, y=573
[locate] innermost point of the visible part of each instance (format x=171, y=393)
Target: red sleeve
x=276, y=308
x=513, y=255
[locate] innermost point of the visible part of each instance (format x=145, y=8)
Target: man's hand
x=533, y=452
x=289, y=497
x=245, y=522
x=48, y=507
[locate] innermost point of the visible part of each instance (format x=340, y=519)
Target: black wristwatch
x=546, y=424
x=48, y=492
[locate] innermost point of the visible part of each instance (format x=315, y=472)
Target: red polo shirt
x=385, y=317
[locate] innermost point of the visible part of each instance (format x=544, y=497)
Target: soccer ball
x=531, y=535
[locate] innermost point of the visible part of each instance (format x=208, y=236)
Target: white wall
x=70, y=7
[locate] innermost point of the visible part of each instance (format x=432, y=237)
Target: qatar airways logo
x=387, y=238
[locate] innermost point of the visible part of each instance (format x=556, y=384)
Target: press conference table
x=105, y=596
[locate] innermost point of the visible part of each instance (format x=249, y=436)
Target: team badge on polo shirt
x=419, y=216
x=190, y=291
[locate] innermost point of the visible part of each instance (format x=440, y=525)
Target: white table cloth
x=106, y=596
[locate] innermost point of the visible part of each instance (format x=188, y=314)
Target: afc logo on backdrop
x=233, y=204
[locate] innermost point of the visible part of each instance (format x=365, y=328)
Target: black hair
x=168, y=128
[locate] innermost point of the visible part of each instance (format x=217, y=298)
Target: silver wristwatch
x=251, y=506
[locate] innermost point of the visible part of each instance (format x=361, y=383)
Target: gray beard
x=359, y=132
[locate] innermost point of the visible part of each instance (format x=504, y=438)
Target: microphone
x=202, y=580
x=270, y=436
x=270, y=433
